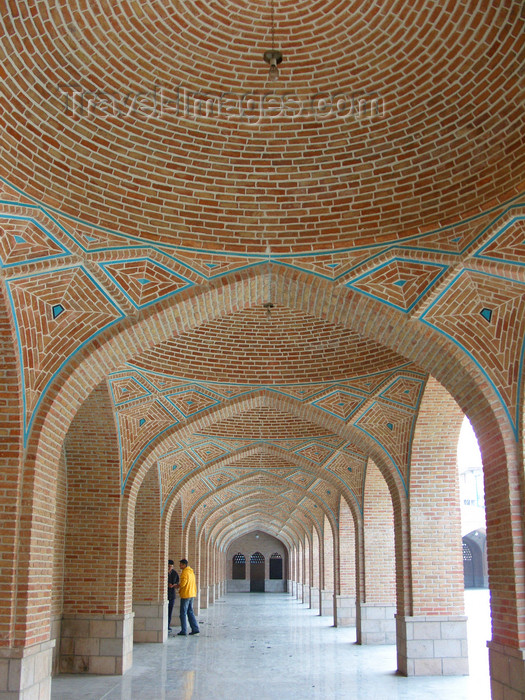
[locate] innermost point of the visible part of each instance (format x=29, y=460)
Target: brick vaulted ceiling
x=145, y=156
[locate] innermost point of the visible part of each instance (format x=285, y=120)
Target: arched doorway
x=257, y=573
x=276, y=566
x=474, y=559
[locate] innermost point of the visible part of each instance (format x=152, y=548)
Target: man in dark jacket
x=173, y=579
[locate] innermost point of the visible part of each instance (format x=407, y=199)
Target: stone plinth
x=346, y=615
x=151, y=622
x=326, y=603
x=101, y=644
x=315, y=598
x=507, y=672
x=432, y=645
x=376, y=624
x=25, y=672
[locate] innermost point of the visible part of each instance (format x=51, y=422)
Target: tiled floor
x=269, y=647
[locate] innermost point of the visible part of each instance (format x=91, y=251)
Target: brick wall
x=379, y=559
x=94, y=563
x=435, y=518
x=347, y=550
x=149, y=566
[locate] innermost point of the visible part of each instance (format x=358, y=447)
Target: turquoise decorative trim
x=497, y=235
x=188, y=284
x=423, y=263
x=114, y=380
x=513, y=422
x=356, y=424
x=28, y=424
x=401, y=244
x=19, y=239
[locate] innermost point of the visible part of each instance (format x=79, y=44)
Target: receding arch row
x=46, y=455
x=283, y=460
x=260, y=481
x=314, y=296
x=300, y=508
x=296, y=409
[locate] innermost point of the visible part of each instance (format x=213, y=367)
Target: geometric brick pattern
x=473, y=311
x=191, y=402
x=127, y=389
x=508, y=242
x=340, y=403
x=144, y=281
x=23, y=240
x=387, y=242
x=316, y=452
x=68, y=308
x=404, y=390
x=139, y=425
x=392, y=429
x=140, y=283
x=400, y=283
x=173, y=467
x=351, y=470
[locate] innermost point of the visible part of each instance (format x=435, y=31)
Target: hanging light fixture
x=268, y=305
x=273, y=56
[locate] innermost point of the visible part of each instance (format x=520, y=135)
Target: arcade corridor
x=269, y=647
x=244, y=312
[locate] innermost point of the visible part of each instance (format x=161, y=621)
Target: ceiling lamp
x=273, y=56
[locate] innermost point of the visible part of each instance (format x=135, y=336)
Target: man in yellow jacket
x=187, y=592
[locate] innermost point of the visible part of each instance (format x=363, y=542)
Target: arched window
x=276, y=566
x=239, y=566
x=257, y=558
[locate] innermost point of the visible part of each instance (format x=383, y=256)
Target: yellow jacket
x=187, y=583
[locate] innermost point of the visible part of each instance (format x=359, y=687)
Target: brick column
x=432, y=640
x=346, y=598
x=150, y=566
x=327, y=606
x=97, y=622
x=315, y=588
x=375, y=620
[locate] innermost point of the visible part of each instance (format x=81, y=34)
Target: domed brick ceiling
x=287, y=347
x=447, y=78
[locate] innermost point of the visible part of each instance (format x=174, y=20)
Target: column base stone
x=327, y=603
x=25, y=672
x=100, y=644
x=346, y=610
x=150, y=624
x=375, y=624
x=507, y=672
x=432, y=645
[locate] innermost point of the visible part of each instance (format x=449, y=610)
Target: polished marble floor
x=269, y=647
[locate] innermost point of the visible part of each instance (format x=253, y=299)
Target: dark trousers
x=186, y=611
x=171, y=603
